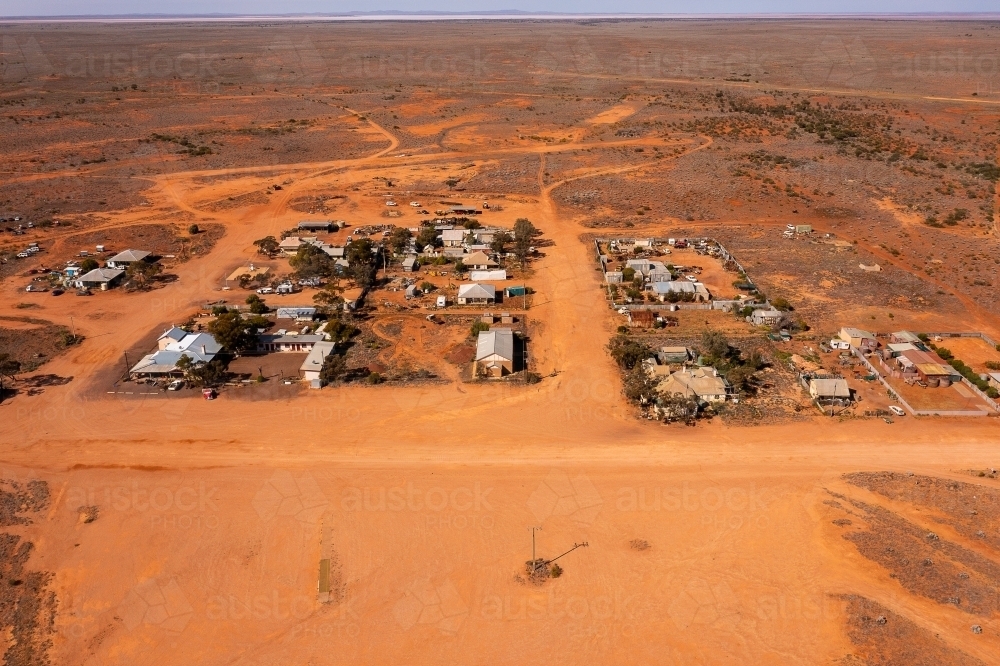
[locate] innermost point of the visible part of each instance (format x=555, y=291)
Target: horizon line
x=495, y=15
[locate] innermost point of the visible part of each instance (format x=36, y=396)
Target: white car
x=898, y=411
x=690, y=278
x=265, y=290
x=390, y=203
x=23, y=255
x=623, y=311
x=415, y=204
x=175, y=385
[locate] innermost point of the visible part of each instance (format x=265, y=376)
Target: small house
x=453, y=237
x=832, y=390
x=495, y=352
x=765, y=317
x=172, y=345
x=126, y=258
x=411, y=292
x=442, y=302
x=101, y=278
x=290, y=245
x=858, y=338
x=702, y=384
x=474, y=294
x=479, y=261
x=520, y=290
x=410, y=263
x=613, y=277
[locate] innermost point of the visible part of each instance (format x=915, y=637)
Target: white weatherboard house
x=495, y=352
x=472, y=294
x=287, y=342
x=174, y=343
x=100, y=278
x=453, y=237
x=126, y=258
x=765, y=317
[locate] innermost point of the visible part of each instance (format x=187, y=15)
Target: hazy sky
x=13, y=8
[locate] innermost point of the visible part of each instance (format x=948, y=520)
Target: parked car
x=23, y=255
x=390, y=203
x=898, y=411
x=57, y=292
x=84, y=292
x=265, y=290
x=690, y=278
x=415, y=204
x=175, y=385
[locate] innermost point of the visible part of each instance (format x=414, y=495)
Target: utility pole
x=73, y=326
x=127, y=366
x=533, y=529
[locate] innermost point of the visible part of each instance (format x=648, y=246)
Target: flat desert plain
x=390, y=523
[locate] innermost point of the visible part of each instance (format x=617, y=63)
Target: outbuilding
x=313, y=364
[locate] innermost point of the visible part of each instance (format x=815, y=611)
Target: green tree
x=257, y=304
x=141, y=273
x=334, y=368
x=340, y=331
x=716, y=346
x=361, y=262
x=478, y=327
x=329, y=297
x=399, y=240
x=234, y=332
x=501, y=240
x=782, y=304
x=212, y=373
x=627, y=352
x=427, y=235
x=524, y=237
x=310, y=261
x=193, y=229
x=268, y=246
x=88, y=265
